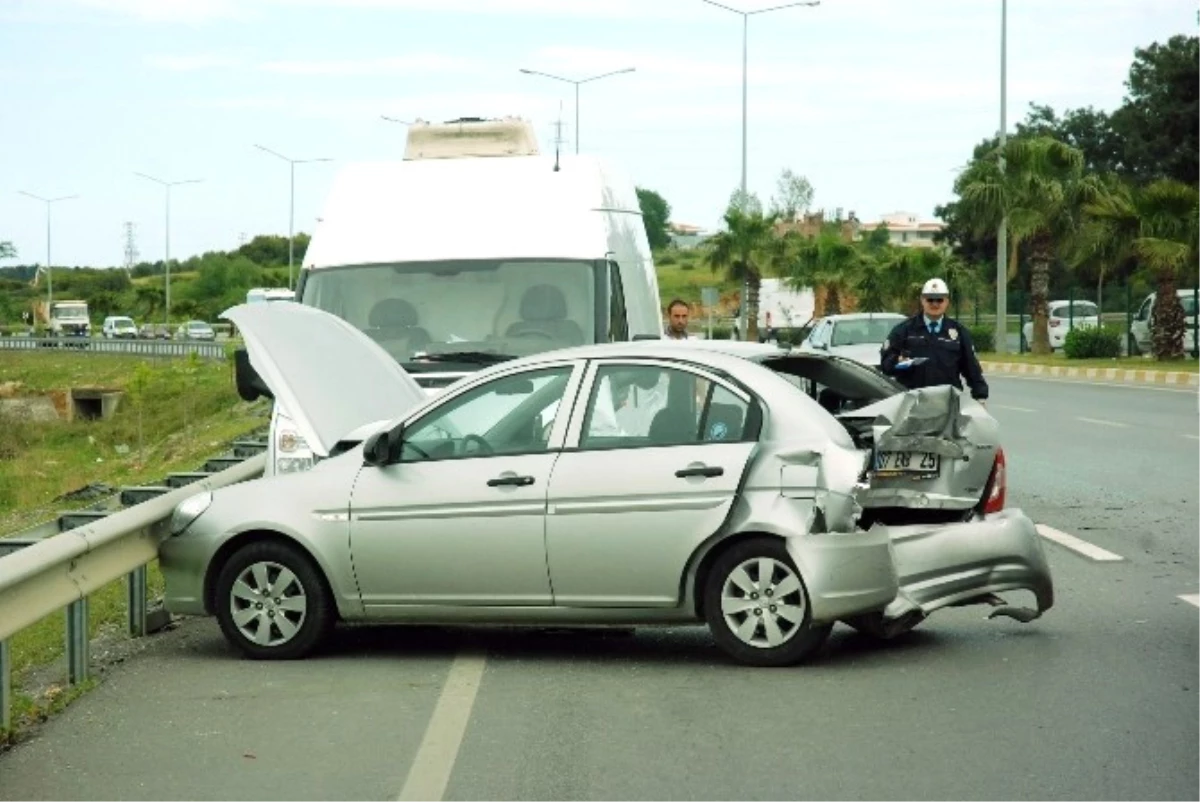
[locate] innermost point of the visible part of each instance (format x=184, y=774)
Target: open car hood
x=330, y=377
x=928, y=421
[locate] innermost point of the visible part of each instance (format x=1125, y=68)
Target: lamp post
x=1001, y=338
x=49, y=273
x=291, y=201
x=577, y=83
x=167, y=259
x=746, y=15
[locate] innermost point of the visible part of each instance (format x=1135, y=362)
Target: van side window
x=618, y=323
x=1144, y=312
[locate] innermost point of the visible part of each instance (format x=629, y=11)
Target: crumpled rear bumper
x=941, y=565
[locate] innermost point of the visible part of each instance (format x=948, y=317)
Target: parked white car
x=858, y=336
x=1061, y=319
x=1140, y=328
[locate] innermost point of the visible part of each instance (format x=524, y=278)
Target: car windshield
x=197, y=325
x=492, y=306
x=867, y=331
x=122, y=322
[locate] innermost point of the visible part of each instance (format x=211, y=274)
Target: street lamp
x=746, y=15
x=167, y=260
x=49, y=273
x=291, y=201
x=1001, y=338
x=577, y=83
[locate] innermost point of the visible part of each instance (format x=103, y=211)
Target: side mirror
x=249, y=384
x=377, y=449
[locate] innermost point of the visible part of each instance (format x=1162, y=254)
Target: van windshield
x=70, y=312
x=494, y=306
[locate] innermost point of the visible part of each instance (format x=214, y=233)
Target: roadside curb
x=1170, y=378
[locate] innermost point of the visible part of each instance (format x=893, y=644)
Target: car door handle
x=700, y=470
x=515, y=481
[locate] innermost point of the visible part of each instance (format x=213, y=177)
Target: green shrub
x=665, y=258
x=1102, y=342
x=984, y=338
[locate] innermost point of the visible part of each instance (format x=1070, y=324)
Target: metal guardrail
x=151, y=348
x=58, y=563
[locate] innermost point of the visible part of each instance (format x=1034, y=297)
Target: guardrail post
x=137, y=602
x=5, y=688
x=77, y=641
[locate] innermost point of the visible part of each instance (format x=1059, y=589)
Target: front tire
x=272, y=602
x=757, y=606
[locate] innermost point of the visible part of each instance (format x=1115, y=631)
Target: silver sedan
x=764, y=493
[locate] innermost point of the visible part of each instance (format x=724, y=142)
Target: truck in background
x=63, y=318
x=782, y=309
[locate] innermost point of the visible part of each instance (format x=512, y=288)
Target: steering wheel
x=545, y=335
x=484, y=448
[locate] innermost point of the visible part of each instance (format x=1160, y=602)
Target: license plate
x=906, y=462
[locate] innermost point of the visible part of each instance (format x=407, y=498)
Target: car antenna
x=558, y=136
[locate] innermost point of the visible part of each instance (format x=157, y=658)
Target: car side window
x=509, y=415
x=618, y=322
x=634, y=406
x=1144, y=312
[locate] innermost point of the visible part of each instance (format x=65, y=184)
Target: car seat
x=544, y=314
x=393, y=323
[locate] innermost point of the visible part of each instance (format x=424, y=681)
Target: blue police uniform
x=946, y=346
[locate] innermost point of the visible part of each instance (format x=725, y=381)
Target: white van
x=118, y=327
x=456, y=263
x=260, y=295
x=1141, y=326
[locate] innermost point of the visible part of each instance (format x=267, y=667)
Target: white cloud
x=187, y=63
x=392, y=65
x=188, y=11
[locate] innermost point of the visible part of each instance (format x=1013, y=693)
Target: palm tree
x=746, y=249
x=1158, y=225
x=826, y=261
x=1038, y=185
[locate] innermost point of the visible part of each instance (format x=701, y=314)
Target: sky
x=877, y=102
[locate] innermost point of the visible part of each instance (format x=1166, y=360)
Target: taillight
x=997, y=485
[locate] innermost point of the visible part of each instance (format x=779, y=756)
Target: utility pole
x=1000, y=340
x=746, y=15
x=291, y=203
x=577, y=83
x=49, y=272
x=167, y=230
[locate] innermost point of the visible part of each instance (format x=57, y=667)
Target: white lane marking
x=1075, y=544
x=1193, y=600
x=1099, y=422
x=1117, y=385
x=430, y=771
x=1014, y=409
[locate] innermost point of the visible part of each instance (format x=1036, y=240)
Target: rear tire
x=757, y=606
x=272, y=602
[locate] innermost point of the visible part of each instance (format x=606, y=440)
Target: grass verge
x=173, y=415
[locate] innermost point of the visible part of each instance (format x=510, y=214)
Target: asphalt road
x=1097, y=700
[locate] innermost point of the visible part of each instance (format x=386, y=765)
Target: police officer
x=930, y=349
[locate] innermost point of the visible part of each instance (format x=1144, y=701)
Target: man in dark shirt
x=931, y=349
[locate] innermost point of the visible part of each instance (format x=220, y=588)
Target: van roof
x=444, y=209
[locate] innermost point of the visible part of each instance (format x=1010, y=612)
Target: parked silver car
x=626, y=484
x=856, y=335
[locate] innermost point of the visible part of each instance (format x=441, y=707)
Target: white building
x=905, y=229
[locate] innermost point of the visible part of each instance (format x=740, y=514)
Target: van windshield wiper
x=468, y=357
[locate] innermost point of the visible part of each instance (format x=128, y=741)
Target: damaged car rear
x=767, y=494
